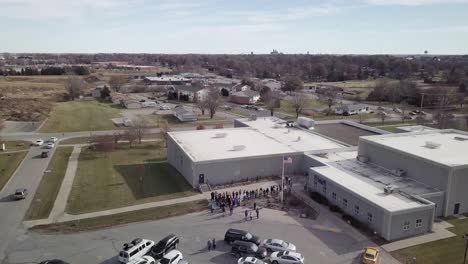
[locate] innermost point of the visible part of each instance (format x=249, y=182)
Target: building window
x=418, y=223
x=369, y=217
x=406, y=225
x=334, y=195
x=324, y=188
x=345, y=203
x=356, y=209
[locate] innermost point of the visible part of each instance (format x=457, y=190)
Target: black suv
x=241, y=248
x=165, y=245
x=236, y=234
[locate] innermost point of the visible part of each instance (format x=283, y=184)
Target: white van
x=143, y=260
x=135, y=250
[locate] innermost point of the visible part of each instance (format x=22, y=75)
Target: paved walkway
x=67, y=184
x=439, y=232
x=58, y=212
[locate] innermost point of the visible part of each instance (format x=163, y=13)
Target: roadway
x=28, y=175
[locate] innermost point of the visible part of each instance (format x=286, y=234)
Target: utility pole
x=422, y=102
x=465, y=236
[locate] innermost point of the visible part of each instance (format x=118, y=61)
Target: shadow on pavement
x=6, y=199
x=114, y=259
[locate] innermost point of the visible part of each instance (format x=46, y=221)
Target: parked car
x=53, y=139
x=249, y=260
x=165, y=245
x=236, y=234
x=164, y=107
x=370, y=255
x=227, y=107
x=38, y=142
x=397, y=110
x=286, y=257
x=277, y=245
x=143, y=260
x=173, y=257
x=53, y=261
x=20, y=194
x=50, y=145
x=240, y=248
x=44, y=154
x=136, y=249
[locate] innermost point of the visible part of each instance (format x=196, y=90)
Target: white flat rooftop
x=296, y=139
x=416, y=128
x=449, y=147
x=367, y=189
x=204, y=145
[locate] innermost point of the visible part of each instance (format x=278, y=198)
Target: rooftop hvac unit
x=432, y=145
x=364, y=159
x=238, y=147
x=305, y=122
x=220, y=135
x=390, y=189
x=398, y=172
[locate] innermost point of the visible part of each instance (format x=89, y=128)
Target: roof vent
x=461, y=138
x=398, y=172
x=432, y=145
x=238, y=147
x=220, y=135
x=390, y=189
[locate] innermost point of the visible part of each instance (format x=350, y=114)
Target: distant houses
x=351, y=109
x=245, y=97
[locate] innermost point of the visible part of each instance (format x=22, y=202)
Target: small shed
x=185, y=115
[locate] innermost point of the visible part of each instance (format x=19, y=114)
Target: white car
x=38, y=142
x=50, y=145
x=53, y=139
x=286, y=257
x=164, y=107
x=277, y=245
x=249, y=260
x=172, y=257
x=143, y=260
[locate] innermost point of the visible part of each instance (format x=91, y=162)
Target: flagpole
x=282, y=181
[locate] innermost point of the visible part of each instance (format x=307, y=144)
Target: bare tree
x=130, y=135
x=213, y=100
x=293, y=84
x=382, y=116
x=117, y=81
x=202, y=105
x=271, y=100
x=105, y=143
x=74, y=86
x=165, y=129
x=139, y=127
x=298, y=102
x=117, y=136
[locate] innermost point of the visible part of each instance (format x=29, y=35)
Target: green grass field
x=8, y=164
x=448, y=250
x=97, y=223
x=349, y=84
x=157, y=120
x=49, y=187
x=80, y=116
x=15, y=145
x=124, y=177
x=287, y=106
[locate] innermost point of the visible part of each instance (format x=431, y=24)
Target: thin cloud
x=414, y=2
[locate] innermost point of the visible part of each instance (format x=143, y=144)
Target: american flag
x=287, y=160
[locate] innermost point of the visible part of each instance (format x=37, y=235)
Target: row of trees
x=28, y=71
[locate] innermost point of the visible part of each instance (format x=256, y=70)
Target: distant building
x=184, y=115
x=167, y=80
x=351, y=109
x=245, y=97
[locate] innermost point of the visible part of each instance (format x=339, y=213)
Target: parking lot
x=325, y=240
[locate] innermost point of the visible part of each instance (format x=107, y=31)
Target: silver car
x=20, y=194
x=277, y=245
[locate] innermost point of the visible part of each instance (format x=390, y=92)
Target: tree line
x=29, y=71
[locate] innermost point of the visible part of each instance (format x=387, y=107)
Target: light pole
x=465, y=237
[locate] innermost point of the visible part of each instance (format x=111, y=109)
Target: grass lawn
x=287, y=106
x=16, y=145
x=80, y=116
x=85, y=140
x=124, y=177
x=49, y=187
x=448, y=250
x=8, y=164
x=124, y=218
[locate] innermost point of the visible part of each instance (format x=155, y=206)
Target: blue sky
x=239, y=26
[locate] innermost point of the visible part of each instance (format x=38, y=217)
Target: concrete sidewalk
x=58, y=212
x=67, y=184
x=439, y=232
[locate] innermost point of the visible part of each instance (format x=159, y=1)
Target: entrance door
x=201, y=178
x=456, y=208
